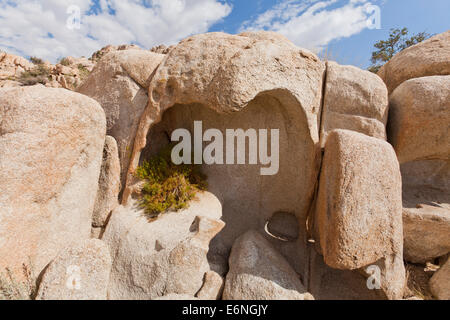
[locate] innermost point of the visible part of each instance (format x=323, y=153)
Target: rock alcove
x=226, y=87
x=248, y=198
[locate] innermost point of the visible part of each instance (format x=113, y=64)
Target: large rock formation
x=215, y=78
x=152, y=259
x=289, y=233
x=69, y=73
x=51, y=143
x=354, y=100
x=419, y=122
x=98, y=55
x=426, y=209
x=419, y=127
x=428, y=58
x=119, y=82
x=12, y=66
x=359, y=206
x=259, y=272
x=80, y=272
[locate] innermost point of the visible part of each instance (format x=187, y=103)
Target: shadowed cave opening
x=249, y=200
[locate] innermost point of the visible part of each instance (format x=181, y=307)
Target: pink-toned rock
x=12, y=66
x=419, y=119
x=51, y=143
x=440, y=282
x=359, y=205
x=215, y=78
x=358, y=218
x=380, y=281
x=355, y=100
x=9, y=84
x=220, y=72
x=212, y=287
x=428, y=58
x=79, y=272
x=119, y=82
x=259, y=272
x=169, y=255
x=109, y=184
x=426, y=210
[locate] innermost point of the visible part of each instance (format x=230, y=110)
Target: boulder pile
x=363, y=187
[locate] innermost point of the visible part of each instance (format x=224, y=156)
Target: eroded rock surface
x=326, y=283
x=79, y=272
x=440, y=282
x=216, y=79
x=51, y=143
x=419, y=127
x=152, y=259
x=426, y=209
x=109, y=184
x=359, y=206
x=212, y=288
x=259, y=272
x=358, y=218
x=428, y=58
x=12, y=66
x=354, y=99
x=119, y=82
x=419, y=122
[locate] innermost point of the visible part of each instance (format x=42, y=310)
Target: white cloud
x=38, y=28
x=313, y=24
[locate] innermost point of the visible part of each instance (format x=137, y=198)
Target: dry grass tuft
x=417, y=280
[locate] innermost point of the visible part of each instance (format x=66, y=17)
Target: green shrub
x=168, y=187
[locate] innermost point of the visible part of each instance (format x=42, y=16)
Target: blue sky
x=337, y=28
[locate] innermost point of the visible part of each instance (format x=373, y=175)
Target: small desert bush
x=37, y=61
x=84, y=72
x=64, y=62
x=12, y=289
x=39, y=74
x=168, y=187
x=417, y=282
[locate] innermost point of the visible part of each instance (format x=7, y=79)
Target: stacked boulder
x=357, y=222
x=428, y=58
x=354, y=100
x=359, y=209
x=69, y=73
x=419, y=130
x=351, y=200
x=11, y=67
